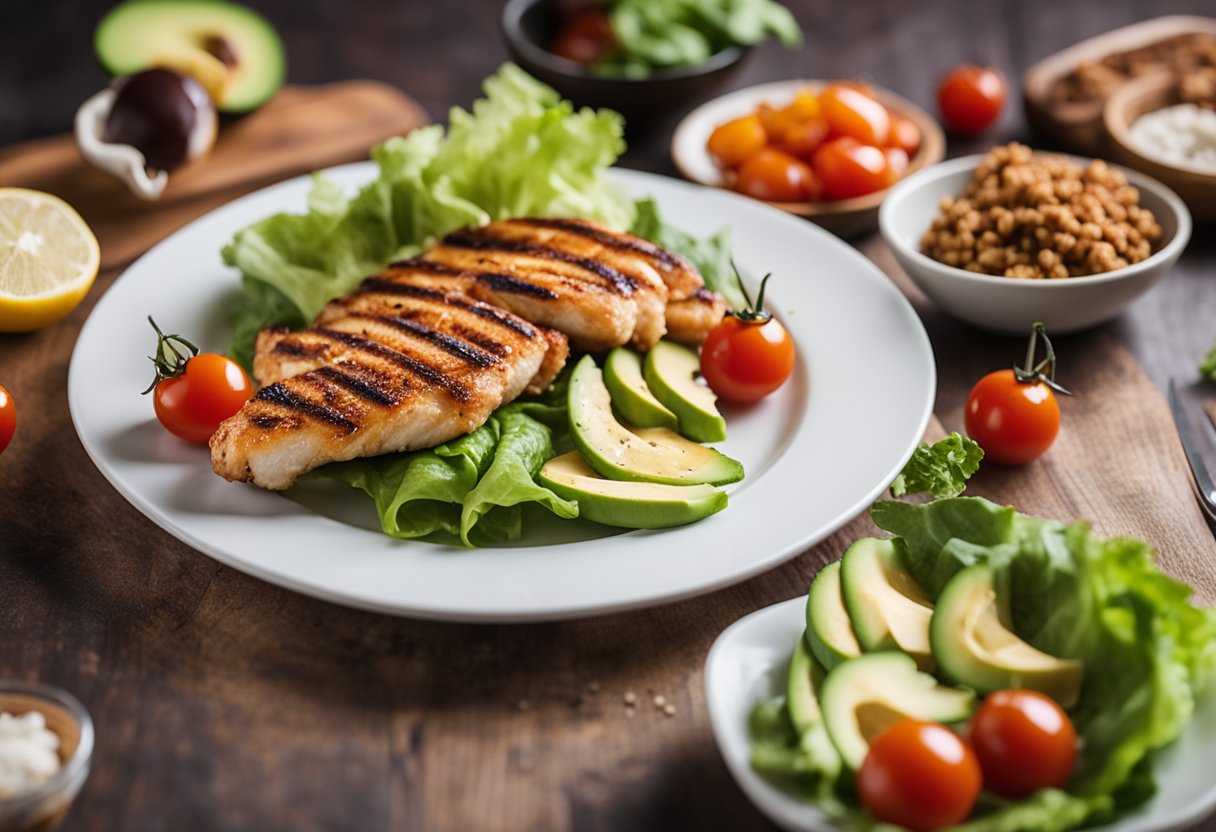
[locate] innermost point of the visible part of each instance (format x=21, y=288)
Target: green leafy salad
x=522, y=151
x=989, y=599
x=653, y=34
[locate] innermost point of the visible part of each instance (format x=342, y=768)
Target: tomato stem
x=755, y=313
x=173, y=352
x=1033, y=373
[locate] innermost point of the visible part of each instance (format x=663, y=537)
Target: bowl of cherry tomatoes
x=824, y=150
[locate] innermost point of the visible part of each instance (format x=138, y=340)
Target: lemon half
x=48, y=259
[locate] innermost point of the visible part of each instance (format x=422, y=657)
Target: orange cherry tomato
x=748, y=355
x=585, y=37
x=971, y=99
x=919, y=775
x=1015, y=422
x=804, y=138
x=904, y=134
x=8, y=418
x=848, y=168
x=732, y=143
x=1024, y=742
x=778, y=177
x=193, y=392
x=851, y=112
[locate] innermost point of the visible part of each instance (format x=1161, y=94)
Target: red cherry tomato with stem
x=919, y=775
x=195, y=392
x=1013, y=414
x=749, y=354
x=971, y=99
x=8, y=418
x=1024, y=742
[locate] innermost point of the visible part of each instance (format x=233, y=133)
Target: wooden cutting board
x=225, y=702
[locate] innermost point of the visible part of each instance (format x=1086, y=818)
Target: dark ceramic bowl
x=528, y=25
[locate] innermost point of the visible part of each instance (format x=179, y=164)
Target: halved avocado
x=200, y=37
x=976, y=647
x=828, y=629
x=650, y=455
x=864, y=696
x=887, y=608
x=632, y=505
x=630, y=394
x=671, y=372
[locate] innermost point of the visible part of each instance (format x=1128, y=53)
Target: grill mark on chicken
x=499, y=316
x=452, y=346
x=514, y=285
x=383, y=286
x=634, y=244
x=412, y=365
x=279, y=395
x=483, y=239
x=484, y=341
x=380, y=286
x=346, y=375
x=429, y=266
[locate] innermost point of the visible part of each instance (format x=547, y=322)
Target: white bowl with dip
x=39, y=799
x=1010, y=305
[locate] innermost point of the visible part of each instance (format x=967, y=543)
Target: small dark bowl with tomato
x=530, y=28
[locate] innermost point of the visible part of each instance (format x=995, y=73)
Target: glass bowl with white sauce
x=46, y=748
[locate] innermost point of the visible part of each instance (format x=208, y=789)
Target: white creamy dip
x=28, y=753
x=1183, y=136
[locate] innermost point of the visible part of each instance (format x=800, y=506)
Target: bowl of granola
x=1015, y=236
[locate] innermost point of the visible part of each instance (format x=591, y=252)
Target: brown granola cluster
x=1192, y=57
x=1038, y=216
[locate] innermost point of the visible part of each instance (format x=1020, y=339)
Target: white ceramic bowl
x=1010, y=305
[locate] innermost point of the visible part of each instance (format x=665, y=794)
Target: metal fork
x=1205, y=487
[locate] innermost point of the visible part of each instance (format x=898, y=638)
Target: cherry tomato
x=848, y=168
x=737, y=140
x=748, y=354
x=1024, y=742
x=778, y=177
x=919, y=775
x=8, y=418
x=851, y=112
x=193, y=392
x=897, y=164
x=585, y=37
x=803, y=139
x=971, y=99
x=904, y=134
x=1015, y=422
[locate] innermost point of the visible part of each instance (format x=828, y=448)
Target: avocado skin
x=870, y=558
x=664, y=361
x=637, y=408
x=629, y=513
x=805, y=675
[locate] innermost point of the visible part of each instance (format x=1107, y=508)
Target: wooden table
x=222, y=702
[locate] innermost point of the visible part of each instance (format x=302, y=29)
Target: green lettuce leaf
x=1207, y=367
x=942, y=468
x=1146, y=649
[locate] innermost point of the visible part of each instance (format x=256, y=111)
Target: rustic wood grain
x=223, y=702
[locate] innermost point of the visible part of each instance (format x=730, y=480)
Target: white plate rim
x=524, y=612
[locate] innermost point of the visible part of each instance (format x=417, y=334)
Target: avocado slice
x=649, y=455
x=200, y=37
x=864, y=696
x=828, y=629
x=630, y=395
x=976, y=647
x=802, y=701
x=632, y=505
x=887, y=608
x=671, y=371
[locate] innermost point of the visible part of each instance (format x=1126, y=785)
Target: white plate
x=816, y=452
x=749, y=662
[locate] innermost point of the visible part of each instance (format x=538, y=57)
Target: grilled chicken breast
x=370, y=384
x=426, y=350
